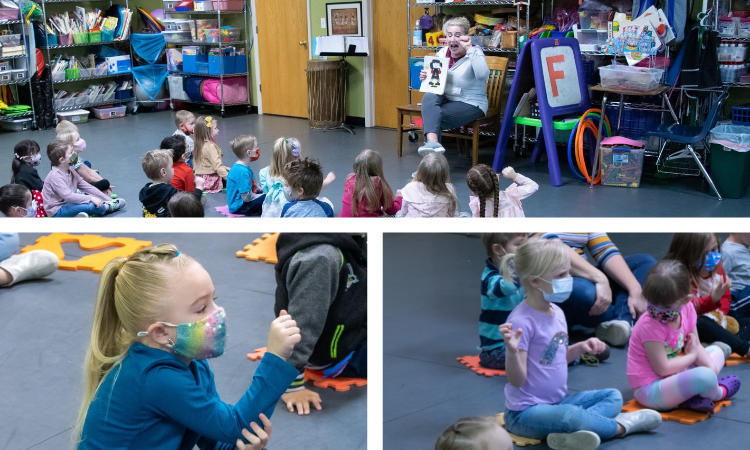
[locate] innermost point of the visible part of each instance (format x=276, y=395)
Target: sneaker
x=580, y=440
x=115, y=205
x=724, y=348
x=639, y=421
x=591, y=360
x=430, y=147
x=614, y=332
x=82, y=214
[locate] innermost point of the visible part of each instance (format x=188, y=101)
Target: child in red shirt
x=184, y=178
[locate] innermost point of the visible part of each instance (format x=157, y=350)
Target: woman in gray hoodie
x=465, y=96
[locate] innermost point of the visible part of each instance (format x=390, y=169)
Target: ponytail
x=129, y=298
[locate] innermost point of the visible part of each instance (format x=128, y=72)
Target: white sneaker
x=580, y=440
x=724, y=348
x=115, y=205
x=430, y=147
x=30, y=266
x=614, y=332
x=82, y=214
x=639, y=421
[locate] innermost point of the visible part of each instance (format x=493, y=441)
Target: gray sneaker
x=430, y=147
x=580, y=440
x=614, y=332
x=115, y=205
x=724, y=348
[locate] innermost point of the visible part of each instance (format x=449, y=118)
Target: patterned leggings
x=668, y=393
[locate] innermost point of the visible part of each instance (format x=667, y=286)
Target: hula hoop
x=588, y=121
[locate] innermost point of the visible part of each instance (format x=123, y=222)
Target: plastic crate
x=633, y=123
x=109, y=112
x=621, y=166
x=75, y=116
x=741, y=114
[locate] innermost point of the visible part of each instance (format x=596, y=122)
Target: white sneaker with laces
x=580, y=440
x=614, y=332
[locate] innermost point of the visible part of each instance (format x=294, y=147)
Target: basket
x=633, y=123
x=741, y=114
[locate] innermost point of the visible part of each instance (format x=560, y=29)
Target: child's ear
x=158, y=333
x=497, y=249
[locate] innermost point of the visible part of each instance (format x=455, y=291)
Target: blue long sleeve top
x=155, y=401
x=498, y=300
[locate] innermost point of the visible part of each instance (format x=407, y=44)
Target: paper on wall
x=437, y=75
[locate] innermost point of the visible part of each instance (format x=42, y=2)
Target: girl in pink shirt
x=431, y=193
x=660, y=377
x=489, y=201
x=366, y=193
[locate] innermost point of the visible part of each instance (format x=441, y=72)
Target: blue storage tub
x=214, y=65
x=240, y=63
x=190, y=63
x=415, y=67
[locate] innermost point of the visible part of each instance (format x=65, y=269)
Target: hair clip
x=176, y=253
x=208, y=121
x=295, y=146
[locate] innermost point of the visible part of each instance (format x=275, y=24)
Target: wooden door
x=283, y=55
x=390, y=58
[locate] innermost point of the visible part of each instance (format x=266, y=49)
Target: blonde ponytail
x=129, y=298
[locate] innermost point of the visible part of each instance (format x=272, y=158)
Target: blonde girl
x=537, y=357
x=207, y=156
x=366, y=193
x=147, y=382
x=474, y=433
x=489, y=201
x=270, y=179
x=92, y=177
x=431, y=193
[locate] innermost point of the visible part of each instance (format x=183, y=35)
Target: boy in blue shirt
x=303, y=180
x=498, y=298
x=243, y=194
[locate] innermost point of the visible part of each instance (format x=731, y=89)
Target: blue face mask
x=712, y=260
x=561, y=289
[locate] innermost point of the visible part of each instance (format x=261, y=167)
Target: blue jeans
x=9, y=245
x=583, y=297
x=71, y=209
x=585, y=411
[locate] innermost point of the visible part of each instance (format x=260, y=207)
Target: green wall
x=355, y=97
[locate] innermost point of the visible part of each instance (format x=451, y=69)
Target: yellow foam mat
x=123, y=248
x=263, y=249
x=518, y=440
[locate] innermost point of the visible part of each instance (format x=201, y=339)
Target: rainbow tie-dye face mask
x=664, y=315
x=203, y=339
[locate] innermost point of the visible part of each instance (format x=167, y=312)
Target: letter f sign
x=555, y=75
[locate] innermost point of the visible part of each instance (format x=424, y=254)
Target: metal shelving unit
x=113, y=101
x=51, y=48
x=244, y=42
x=24, y=61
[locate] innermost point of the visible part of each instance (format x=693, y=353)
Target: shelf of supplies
x=12, y=57
x=16, y=116
x=204, y=13
x=213, y=104
x=467, y=3
x=211, y=44
x=10, y=22
x=734, y=38
x=113, y=101
x=88, y=44
x=5, y=83
x=740, y=85
x=194, y=74
x=612, y=106
x=484, y=49
x=109, y=75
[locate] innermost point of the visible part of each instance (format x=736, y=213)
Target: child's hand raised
x=718, y=288
x=330, y=178
x=509, y=173
x=594, y=346
x=199, y=183
x=259, y=440
x=284, y=335
x=511, y=339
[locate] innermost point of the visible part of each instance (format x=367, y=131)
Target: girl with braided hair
x=147, y=382
x=474, y=433
x=485, y=184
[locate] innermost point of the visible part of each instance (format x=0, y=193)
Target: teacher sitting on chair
x=465, y=96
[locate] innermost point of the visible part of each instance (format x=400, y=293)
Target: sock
x=724, y=390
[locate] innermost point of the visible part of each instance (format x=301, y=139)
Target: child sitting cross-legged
x=157, y=165
x=660, y=377
x=537, y=356
x=61, y=186
x=303, y=180
x=244, y=196
x=89, y=175
x=208, y=156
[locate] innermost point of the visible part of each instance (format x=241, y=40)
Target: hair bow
x=208, y=121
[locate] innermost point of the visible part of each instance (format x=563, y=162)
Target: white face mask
x=561, y=289
x=30, y=212
x=34, y=160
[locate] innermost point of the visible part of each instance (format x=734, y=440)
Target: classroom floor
x=115, y=147
x=431, y=307
x=45, y=332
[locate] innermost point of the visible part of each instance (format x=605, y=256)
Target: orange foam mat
x=735, y=359
x=472, y=362
x=95, y=262
x=339, y=384
x=263, y=249
x=518, y=440
x=683, y=416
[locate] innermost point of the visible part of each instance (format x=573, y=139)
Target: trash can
x=730, y=160
x=326, y=93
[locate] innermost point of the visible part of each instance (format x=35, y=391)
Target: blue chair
x=689, y=135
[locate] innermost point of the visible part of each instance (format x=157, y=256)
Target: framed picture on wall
x=344, y=19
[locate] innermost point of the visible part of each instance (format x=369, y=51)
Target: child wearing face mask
x=710, y=290
x=155, y=326
x=155, y=196
x=499, y=298
x=185, y=121
x=244, y=195
x=537, y=356
x=26, y=157
x=62, y=184
x=184, y=179
x=16, y=201
x=660, y=378
x=303, y=180
x=88, y=174
x=208, y=155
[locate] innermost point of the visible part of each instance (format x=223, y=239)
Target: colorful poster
x=437, y=75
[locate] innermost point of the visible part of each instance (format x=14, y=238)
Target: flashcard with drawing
x=437, y=75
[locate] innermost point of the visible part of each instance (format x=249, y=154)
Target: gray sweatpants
x=439, y=113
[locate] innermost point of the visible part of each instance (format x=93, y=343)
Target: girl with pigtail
x=366, y=192
x=147, y=380
x=485, y=184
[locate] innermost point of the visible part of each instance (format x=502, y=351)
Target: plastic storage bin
x=176, y=37
x=109, y=112
x=190, y=63
x=741, y=114
x=8, y=14
x=639, y=79
x=212, y=36
x=118, y=64
x=730, y=171
x=177, y=24
x=621, y=166
x=75, y=116
x=214, y=62
x=18, y=74
x=229, y=5
x=176, y=88
x=169, y=5
x=201, y=25
x=21, y=124
x=230, y=34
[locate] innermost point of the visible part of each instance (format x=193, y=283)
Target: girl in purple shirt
x=537, y=356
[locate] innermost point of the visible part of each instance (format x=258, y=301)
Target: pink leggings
x=668, y=393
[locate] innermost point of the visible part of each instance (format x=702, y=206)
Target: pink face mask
x=80, y=145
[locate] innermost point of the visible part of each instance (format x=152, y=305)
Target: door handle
x=302, y=42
